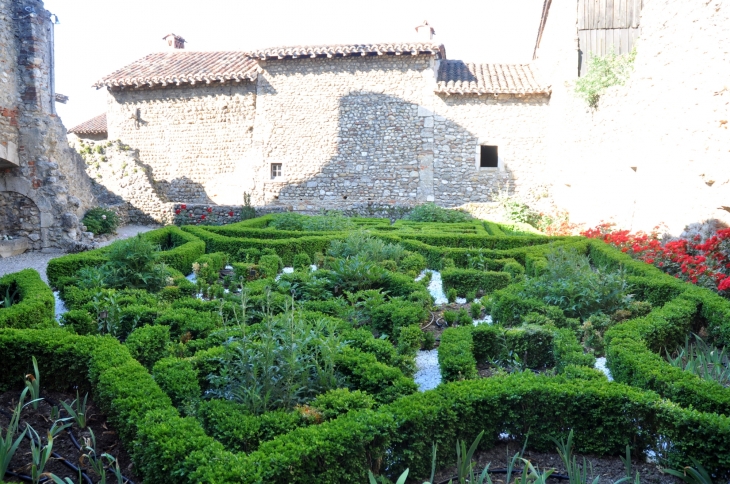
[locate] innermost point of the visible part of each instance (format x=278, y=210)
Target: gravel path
x=39, y=260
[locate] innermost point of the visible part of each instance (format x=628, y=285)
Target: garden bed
x=250, y=373
x=69, y=443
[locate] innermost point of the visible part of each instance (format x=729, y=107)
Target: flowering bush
x=702, y=262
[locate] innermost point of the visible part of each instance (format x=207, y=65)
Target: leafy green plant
x=692, y=475
x=41, y=454
x=101, y=221
x=707, y=362
x=77, y=410
x=475, y=310
x=450, y=316
x=10, y=297
x=96, y=462
x=33, y=384
x=364, y=245
x=8, y=446
x=429, y=341
x=577, y=474
x=570, y=283
x=286, y=362
x=451, y=295
x=430, y=212
x=132, y=263
x=602, y=73
x=357, y=273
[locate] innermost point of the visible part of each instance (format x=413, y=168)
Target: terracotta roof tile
x=95, y=125
x=458, y=77
x=163, y=68
x=349, y=50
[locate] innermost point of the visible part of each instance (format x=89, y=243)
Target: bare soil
x=107, y=440
x=437, y=324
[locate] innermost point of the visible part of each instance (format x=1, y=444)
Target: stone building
x=332, y=126
x=348, y=126
x=43, y=185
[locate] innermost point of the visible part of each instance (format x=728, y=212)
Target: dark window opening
x=488, y=157
x=275, y=170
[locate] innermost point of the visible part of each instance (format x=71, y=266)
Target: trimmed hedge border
x=188, y=249
x=167, y=448
x=36, y=307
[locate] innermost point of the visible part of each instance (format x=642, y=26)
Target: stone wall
x=515, y=124
x=9, y=91
x=122, y=182
x=348, y=132
x=20, y=217
x=48, y=171
x=657, y=149
x=188, y=136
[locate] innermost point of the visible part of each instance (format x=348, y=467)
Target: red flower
x=230, y=214
x=209, y=209
x=177, y=211
x=202, y=217
x=183, y=206
x=190, y=214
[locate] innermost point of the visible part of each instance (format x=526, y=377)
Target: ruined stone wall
x=657, y=149
x=9, y=91
x=192, y=138
x=48, y=171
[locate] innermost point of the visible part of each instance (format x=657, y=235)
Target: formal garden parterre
x=282, y=348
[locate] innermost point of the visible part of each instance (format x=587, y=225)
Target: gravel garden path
x=39, y=260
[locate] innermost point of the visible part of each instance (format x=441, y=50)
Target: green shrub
x=450, y=316
x=468, y=280
x=571, y=284
x=207, y=267
x=361, y=244
x=79, y=321
x=229, y=423
x=456, y=355
x=182, y=320
x=603, y=72
x=270, y=265
x=429, y=341
x=179, y=380
x=287, y=221
x=533, y=344
x=451, y=295
x=388, y=318
x=488, y=342
x=430, y=212
x=101, y=221
x=148, y=344
x=363, y=372
x=410, y=339
x=302, y=261
x=332, y=221
x=413, y=263
x=337, y=402
x=35, y=304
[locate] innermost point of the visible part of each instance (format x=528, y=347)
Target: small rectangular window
x=275, y=170
x=488, y=157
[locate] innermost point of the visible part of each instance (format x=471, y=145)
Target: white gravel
x=428, y=373
x=39, y=260
x=601, y=365
x=435, y=287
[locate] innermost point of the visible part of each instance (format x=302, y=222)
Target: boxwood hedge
x=35, y=306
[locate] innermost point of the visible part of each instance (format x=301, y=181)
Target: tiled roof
x=342, y=50
x=165, y=68
x=458, y=77
x=95, y=125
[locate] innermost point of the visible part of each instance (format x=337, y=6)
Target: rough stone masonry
x=43, y=185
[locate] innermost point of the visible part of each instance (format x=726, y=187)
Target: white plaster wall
x=670, y=122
